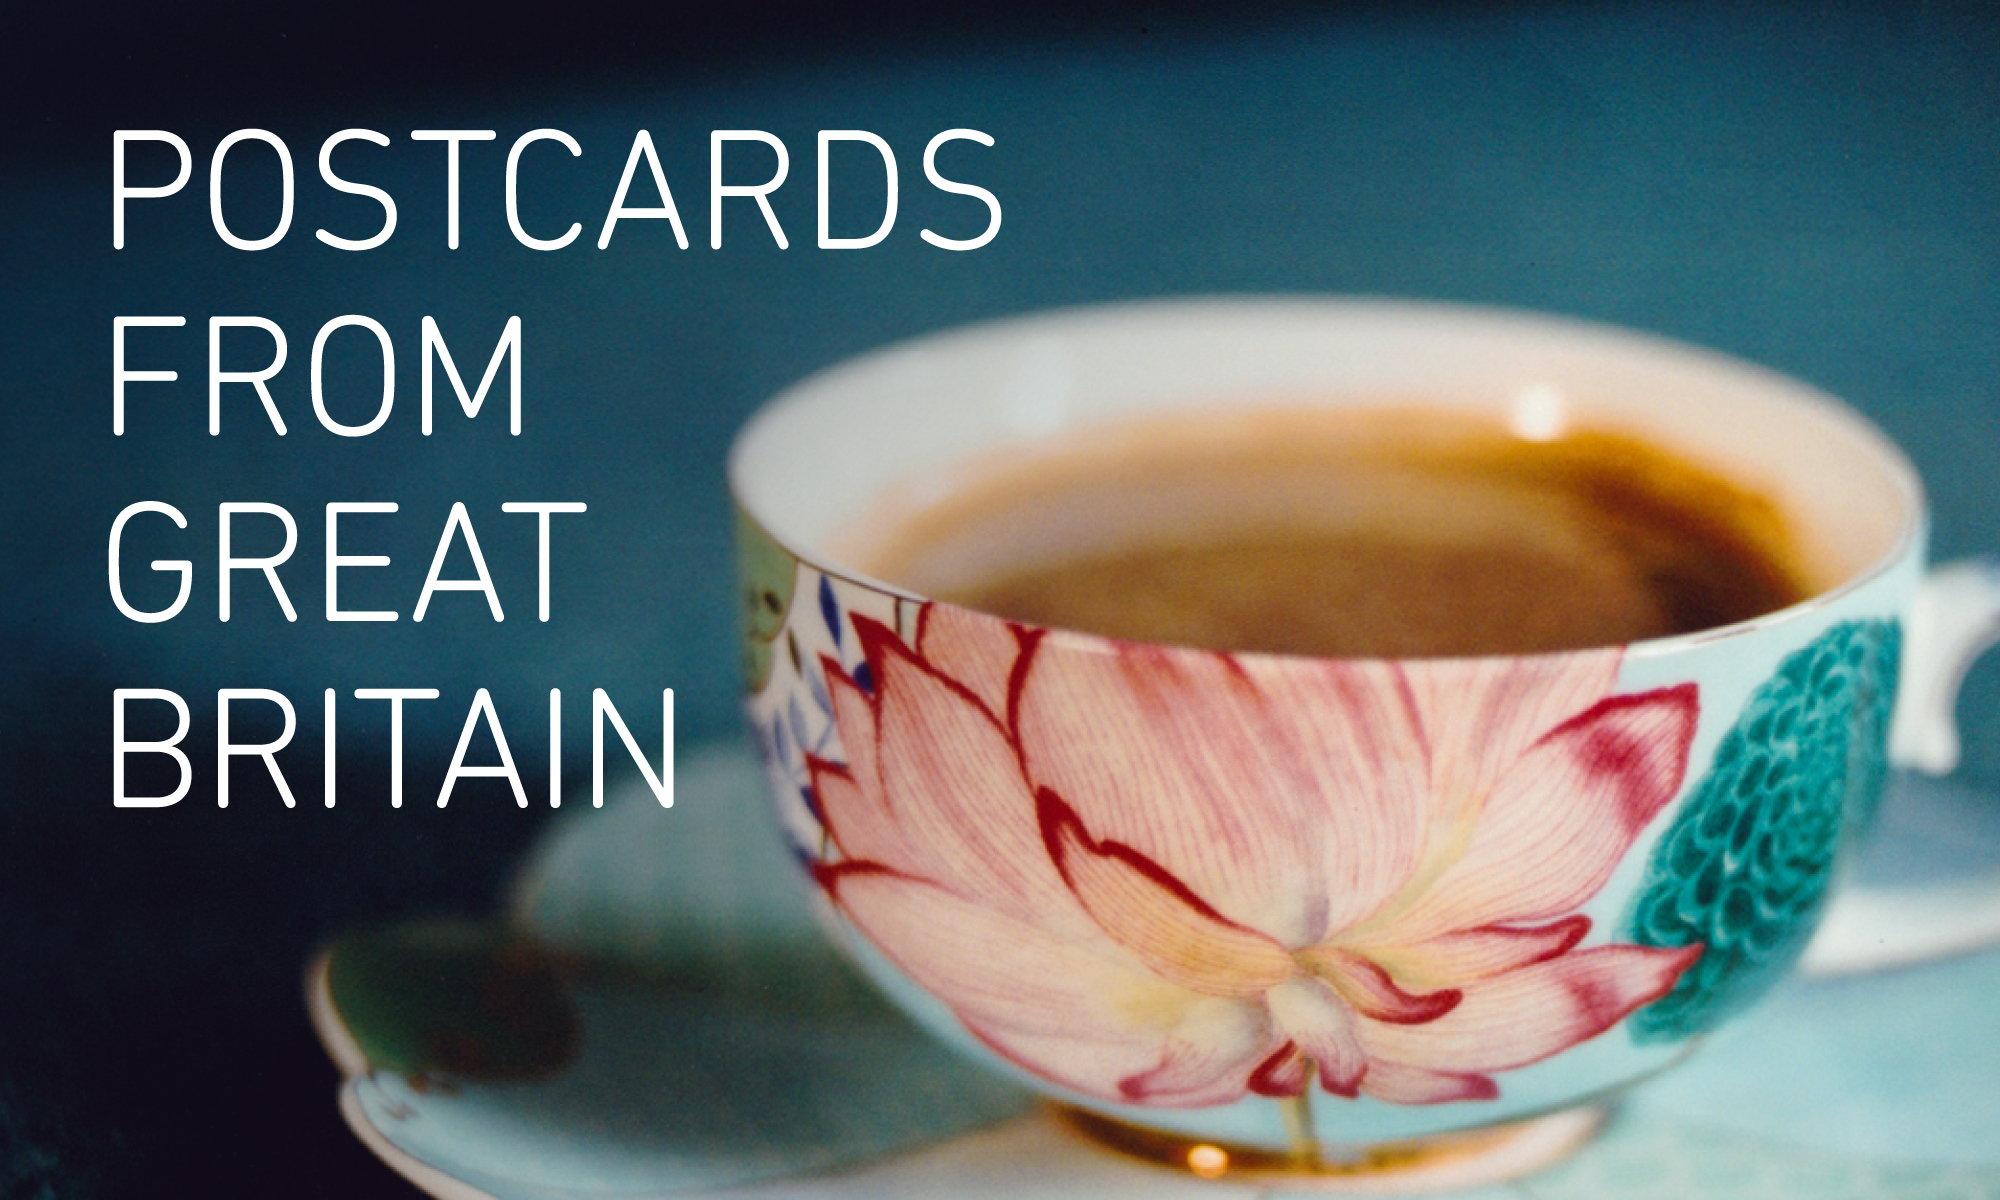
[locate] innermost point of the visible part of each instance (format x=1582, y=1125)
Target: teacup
x=1110, y=870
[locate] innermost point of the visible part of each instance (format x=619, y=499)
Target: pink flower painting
x=1173, y=877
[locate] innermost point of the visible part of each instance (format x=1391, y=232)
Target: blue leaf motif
x=767, y=742
x=798, y=719
x=829, y=609
x=816, y=683
x=784, y=741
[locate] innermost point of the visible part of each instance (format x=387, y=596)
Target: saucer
x=657, y=1014
x=1925, y=885
x=479, y=1086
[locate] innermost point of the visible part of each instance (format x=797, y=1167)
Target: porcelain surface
x=1256, y=898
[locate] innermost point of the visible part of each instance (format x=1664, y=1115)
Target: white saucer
x=1926, y=886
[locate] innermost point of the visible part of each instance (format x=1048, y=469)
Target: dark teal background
x=1812, y=187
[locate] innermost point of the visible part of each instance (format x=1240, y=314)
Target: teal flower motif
x=1745, y=867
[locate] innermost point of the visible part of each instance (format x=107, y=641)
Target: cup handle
x=1955, y=619
x=1928, y=881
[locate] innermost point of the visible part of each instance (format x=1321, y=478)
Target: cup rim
x=1823, y=408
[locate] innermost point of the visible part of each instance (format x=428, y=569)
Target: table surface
x=1810, y=187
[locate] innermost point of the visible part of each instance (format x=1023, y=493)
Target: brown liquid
x=1391, y=532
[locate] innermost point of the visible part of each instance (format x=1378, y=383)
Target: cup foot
x=1441, y=1162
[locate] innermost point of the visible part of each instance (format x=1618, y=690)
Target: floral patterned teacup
x=1286, y=911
